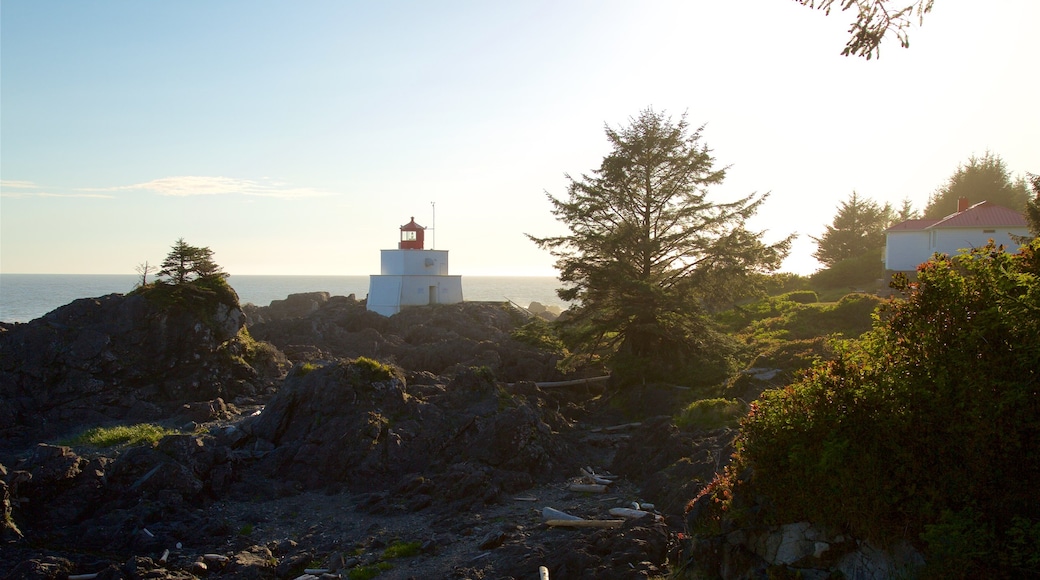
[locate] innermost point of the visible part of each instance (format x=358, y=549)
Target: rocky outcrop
x=741, y=543
x=360, y=427
x=123, y=358
x=439, y=339
x=802, y=549
x=672, y=465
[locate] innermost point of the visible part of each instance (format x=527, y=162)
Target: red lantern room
x=411, y=236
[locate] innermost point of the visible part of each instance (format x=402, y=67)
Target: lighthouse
x=411, y=275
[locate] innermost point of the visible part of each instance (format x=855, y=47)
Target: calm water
x=24, y=297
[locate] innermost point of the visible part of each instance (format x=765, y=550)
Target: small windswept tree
x=185, y=263
x=144, y=269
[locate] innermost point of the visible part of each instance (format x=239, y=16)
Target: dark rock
x=439, y=339
x=672, y=465
x=118, y=358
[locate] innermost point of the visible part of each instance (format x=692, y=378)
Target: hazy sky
x=296, y=137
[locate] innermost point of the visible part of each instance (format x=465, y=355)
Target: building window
x=408, y=236
x=989, y=231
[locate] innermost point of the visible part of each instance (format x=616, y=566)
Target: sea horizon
x=25, y=297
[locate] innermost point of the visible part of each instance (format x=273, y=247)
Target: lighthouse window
x=408, y=236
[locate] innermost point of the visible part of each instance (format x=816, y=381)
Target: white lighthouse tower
x=412, y=275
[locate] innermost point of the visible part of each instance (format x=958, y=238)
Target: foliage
x=858, y=228
x=905, y=212
x=185, y=263
x=925, y=428
x=1033, y=206
x=801, y=297
x=711, y=414
x=367, y=572
x=137, y=434
x=849, y=317
x=539, y=333
x=648, y=255
x=983, y=178
x=304, y=369
x=400, y=549
x=862, y=271
x=367, y=371
x=199, y=296
x=875, y=19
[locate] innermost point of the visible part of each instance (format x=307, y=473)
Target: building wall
x=905, y=250
x=950, y=241
x=387, y=295
x=413, y=262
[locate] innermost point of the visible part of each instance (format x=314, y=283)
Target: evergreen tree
x=185, y=263
x=648, y=254
x=858, y=228
x=983, y=178
x=906, y=212
x=874, y=20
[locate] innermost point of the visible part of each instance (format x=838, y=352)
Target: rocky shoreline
x=293, y=450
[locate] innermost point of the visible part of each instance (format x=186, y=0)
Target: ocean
x=24, y=297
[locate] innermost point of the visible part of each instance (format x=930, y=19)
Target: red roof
x=981, y=215
x=910, y=225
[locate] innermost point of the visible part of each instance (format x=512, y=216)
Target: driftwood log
x=585, y=523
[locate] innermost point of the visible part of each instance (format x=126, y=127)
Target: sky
x=297, y=137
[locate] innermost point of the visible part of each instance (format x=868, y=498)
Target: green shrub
x=925, y=427
x=401, y=550
x=304, y=369
x=539, y=333
x=120, y=435
x=368, y=572
x=860, y=272
x=367, y=371
x=801, y=297
x=711, y=414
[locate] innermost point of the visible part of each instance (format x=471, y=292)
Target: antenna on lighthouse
x=433, y=225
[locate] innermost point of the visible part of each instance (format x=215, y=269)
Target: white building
x=412, y=276
x=913, y=242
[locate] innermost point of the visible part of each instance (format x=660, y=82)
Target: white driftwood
x=572, y=383
x=525, y=498
x=628, y=513
x=595, y=478
x=165, y=555
x=588, y=487
x=549, y=513
x=585, y=523
x=215, y=558
x=543, y=573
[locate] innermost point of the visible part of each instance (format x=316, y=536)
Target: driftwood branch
x=570, y=383
x=585, y=523
x=588, y=487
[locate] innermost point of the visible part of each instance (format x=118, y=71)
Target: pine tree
x=858, y=228
x=983, y=178
x=648, y=253
x=185, y=263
